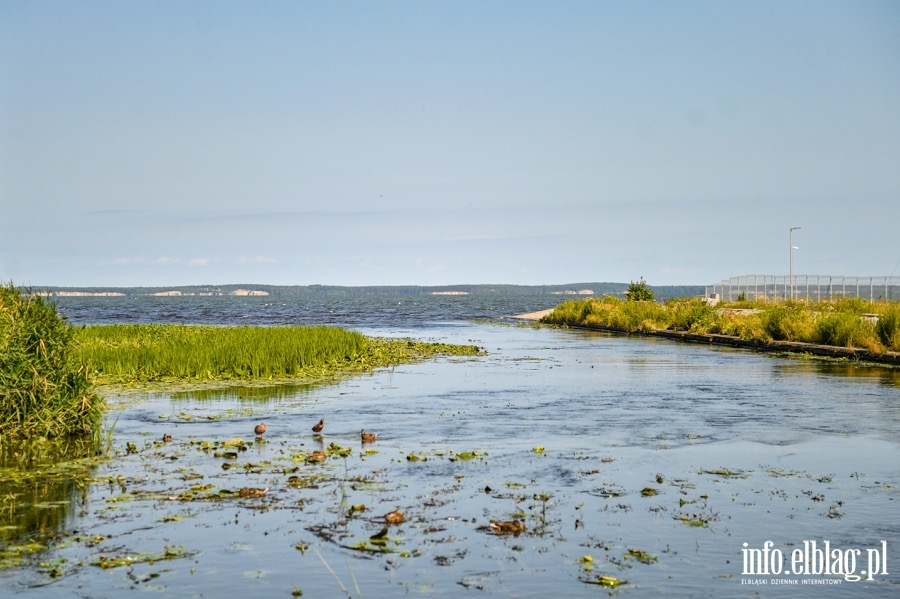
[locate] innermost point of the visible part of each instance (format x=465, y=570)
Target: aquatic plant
x=44, y=389
x=140, y=353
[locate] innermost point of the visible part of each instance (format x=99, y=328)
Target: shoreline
x=794, y=347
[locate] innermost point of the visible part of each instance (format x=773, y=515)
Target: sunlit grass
x=141, y=353
x=846, y=322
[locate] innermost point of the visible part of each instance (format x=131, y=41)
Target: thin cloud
x=158, y=261
x=257, y=260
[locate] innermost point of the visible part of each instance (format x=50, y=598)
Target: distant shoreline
x=575, y=289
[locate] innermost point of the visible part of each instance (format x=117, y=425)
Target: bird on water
x=317, y=428
x=260, y=428
x=367, y=437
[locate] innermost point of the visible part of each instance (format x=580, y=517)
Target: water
x=564, y=430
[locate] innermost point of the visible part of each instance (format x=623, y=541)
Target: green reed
x=140, y=353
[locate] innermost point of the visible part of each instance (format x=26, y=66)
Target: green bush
x=44, y=391
x=846, y=329
x=691, y=315
x=789, y=322
x=888, y=327
x=639, y=292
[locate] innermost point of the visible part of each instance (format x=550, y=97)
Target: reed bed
x=144, y=353
x=851, y=322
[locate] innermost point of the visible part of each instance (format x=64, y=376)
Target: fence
x=807, y=287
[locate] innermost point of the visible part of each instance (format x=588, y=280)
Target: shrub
x=789, y=322
x=888, y=328
x=846, y=329
x=43, y=390
x=639, y=292
x=691, y=315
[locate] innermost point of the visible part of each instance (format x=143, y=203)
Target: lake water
x=646, y=461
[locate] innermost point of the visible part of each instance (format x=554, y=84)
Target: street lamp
x=791, y=271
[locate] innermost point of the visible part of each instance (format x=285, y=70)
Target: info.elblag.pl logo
x=814, y=559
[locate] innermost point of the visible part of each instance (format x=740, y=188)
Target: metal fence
x=807, y=287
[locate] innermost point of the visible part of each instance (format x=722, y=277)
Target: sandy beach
x=534, y=315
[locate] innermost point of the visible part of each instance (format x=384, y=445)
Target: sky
x=437, y=143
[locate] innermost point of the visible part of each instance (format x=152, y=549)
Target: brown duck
x=317, y=427
x=316, y=456
x=395, y=517
x=512, y=527
x=252, y=491
x=367, y=437
x=260, y=428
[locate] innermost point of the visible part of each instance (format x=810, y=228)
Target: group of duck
x=260, y=429
x=397, y=516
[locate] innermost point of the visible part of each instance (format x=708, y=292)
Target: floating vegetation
x=608, y=491
x=783, y=473
x=538, y=449
x=604, y=581
x=641, y=556
x=169, y=553
x=693, y=520
x=466, y=455
x=727, y=473
x=649, y=492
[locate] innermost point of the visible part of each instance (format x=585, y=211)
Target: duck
x=316, y=456
x=260, y=428
x=317, y=427
x=252, y=491
x=395, y=517
x=510, y=527
x=367, y=437
x=167, y=438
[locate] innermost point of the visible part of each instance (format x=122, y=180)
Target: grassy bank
x=122, y=354
x=873, y=326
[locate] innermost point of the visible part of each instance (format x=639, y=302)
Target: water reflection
x=40, y=482
x=249, y=393
x=882, y=374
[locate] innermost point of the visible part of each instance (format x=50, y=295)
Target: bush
x=888, y=328
x=639, y=292
x=845, y=329
x=43, y=390
x=691, y=315
x=789, y=322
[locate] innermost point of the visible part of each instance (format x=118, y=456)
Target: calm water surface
x=564, y=430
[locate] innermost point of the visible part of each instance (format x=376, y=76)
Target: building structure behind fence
x=807, y=287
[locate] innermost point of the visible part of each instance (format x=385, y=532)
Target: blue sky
x=429, y=143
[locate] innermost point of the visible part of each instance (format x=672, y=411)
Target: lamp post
x=791, y=271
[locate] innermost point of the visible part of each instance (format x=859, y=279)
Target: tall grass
x=888, y=328
x=135, y=353
x=844, y=322
x=154, y=352
x=44, y=389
